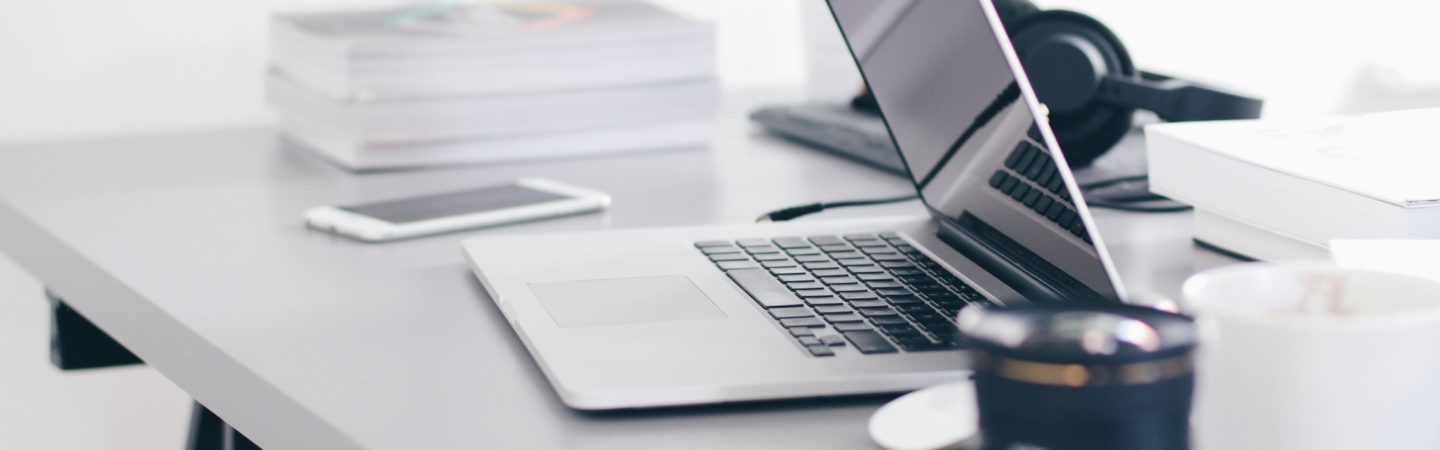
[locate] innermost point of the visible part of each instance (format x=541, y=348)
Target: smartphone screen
x=472, y=201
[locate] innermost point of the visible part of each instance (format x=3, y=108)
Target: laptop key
x=857, y=295
x=820, y=265
x=866, y=269
x=837, y=248
x=764, y=289
x=854, y=262
x=887, y=320
x=736, y=265
x=785, y=270
x=770, y=257
x=801, y=332
x=719, y=257
x=825, y=240
x=847, y=288
x=807, y=293
x=833, y=340
x=805, y=285
x=852, y=326
x=909, y=308
x=897, y=328
x=868, y=304
x=808, y=340
x=774, y=264
x=830, y=273
x=823, y=301
x=789, y=312
x=791, y=242
x=802, y=251
x=809, y=322
x=839, y=280
x=820, y=350
x=704, y=244
x=874, y=277
x=752, y=242
x=767, y=248
x=868, y=341
x=869, y=243
x=796, y=278
x=832, y=309
x=872, y=251
x=847, y=317
x=887, y=284
x=719, y=249
x=811, y=258
x=902, y=299
x=878, y=312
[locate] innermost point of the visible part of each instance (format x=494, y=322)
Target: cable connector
x=781, y=215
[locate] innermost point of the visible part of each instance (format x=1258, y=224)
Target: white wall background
x=92, y=67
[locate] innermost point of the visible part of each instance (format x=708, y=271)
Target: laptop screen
x=960, y=112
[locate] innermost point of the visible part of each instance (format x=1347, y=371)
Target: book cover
x=1390, y=157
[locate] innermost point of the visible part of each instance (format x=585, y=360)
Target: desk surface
x=189, y=249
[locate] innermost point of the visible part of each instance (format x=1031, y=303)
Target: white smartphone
x=523, y=200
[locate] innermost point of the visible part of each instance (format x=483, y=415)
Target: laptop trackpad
x=624, y=301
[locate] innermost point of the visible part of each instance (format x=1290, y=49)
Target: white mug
x=1313, y=356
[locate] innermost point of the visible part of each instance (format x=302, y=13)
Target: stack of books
x=466, y=83
x=1283, y=190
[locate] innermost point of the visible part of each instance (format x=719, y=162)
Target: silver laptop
x=678, y=316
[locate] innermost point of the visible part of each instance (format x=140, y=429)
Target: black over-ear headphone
x=1083, y=74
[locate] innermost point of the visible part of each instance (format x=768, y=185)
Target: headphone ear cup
x=1065, y=55
x=1012, y=12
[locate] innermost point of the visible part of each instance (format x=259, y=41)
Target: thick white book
x=361, y=156
x=494, y=116
x=1252, y=242
x=488, y=47
x=1313, y=180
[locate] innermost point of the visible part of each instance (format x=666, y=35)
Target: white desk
x=189, y=250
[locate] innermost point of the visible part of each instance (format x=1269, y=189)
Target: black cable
x=1115, y=203
x=1113, y=181
x=1138, y=209
x=781, y=215
x=1126, y=203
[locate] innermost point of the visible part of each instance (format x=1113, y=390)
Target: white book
x=658, y=64
x=361, y=156
x=1313, y=180
x=489, y=47
x=1250, y=241
x=492, y=116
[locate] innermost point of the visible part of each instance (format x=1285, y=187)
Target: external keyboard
x=874, y=292
x=1030, y=177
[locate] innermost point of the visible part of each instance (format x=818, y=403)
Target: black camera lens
x=1082, y=377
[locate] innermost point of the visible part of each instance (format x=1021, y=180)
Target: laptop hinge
x=1035, y=284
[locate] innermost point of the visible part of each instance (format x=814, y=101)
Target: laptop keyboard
x=1030, y=177
x=876, y=293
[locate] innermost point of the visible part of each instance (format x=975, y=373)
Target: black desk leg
x=75, y=343
x=208, y=432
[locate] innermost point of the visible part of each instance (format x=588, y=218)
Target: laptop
x=643, y=318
